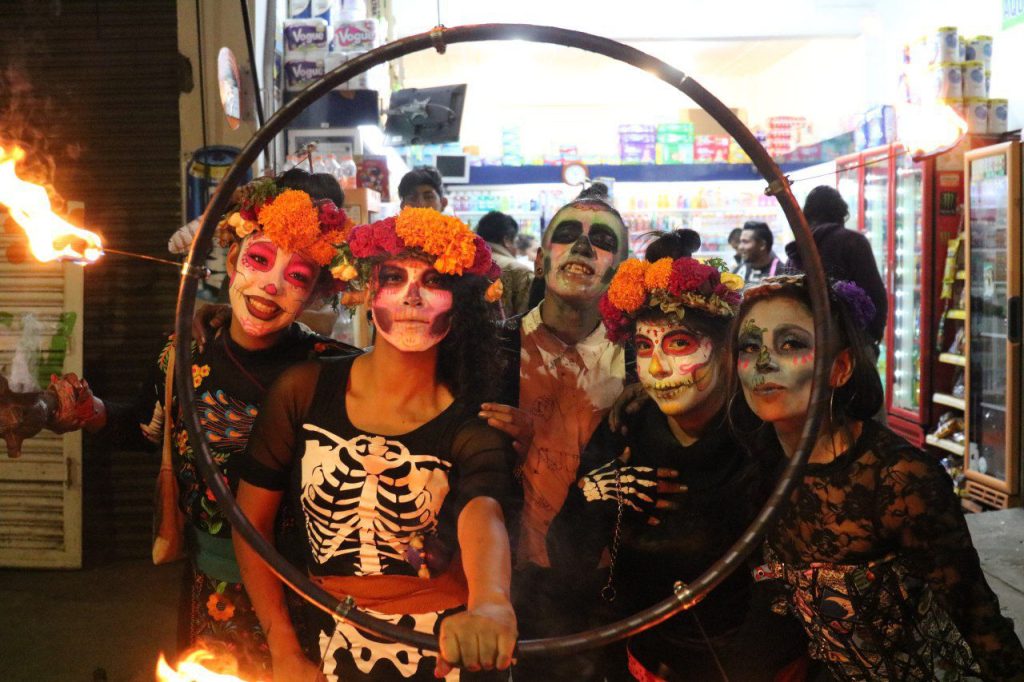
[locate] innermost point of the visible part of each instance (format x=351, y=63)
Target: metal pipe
x=685, y=596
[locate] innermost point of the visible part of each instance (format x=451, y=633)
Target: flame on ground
x=50, y=236
x=198, y=666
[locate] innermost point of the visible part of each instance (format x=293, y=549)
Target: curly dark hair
x=468, y=361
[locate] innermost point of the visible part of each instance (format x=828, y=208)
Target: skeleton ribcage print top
x=876, y=560
x=366, y=498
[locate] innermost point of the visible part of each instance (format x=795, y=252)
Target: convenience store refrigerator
x=908, y=210
x=992, y=338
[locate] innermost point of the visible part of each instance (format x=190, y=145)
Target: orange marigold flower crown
x=290, y=218
x=670, y=286
x=446, y=241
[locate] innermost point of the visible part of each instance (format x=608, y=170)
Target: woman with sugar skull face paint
x=667, y=499
x=398, y=481
x=871, y=554
x=280, y=236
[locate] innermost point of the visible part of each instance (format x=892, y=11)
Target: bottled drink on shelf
x=347, y=172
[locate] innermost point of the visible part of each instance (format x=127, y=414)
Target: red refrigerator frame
x=940, y=205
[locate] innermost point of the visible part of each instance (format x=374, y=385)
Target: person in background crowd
x=734, y=242
x=277, y=257
x=499, y=231
x=871, y=552
x=423, y=188
x=399, y=483
x=526, y=249
x=562, y=376
x=759, y=260
x=845, y=254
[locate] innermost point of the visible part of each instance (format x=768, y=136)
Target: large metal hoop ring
x=685, y=596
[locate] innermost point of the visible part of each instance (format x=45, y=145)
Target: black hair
x=496, y=227
x=861, y=396
x=734, y=235
x=595, y=195
x=761, y=231
x=676, y=244
x=421, y=175
x=825, y=204
x=681, y=244
x=316, y=185
x=466, y=360
x=524, y=241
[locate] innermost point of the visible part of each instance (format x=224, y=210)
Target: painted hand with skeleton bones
x=639, y=489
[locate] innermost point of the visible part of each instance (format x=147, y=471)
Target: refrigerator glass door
x=876, y=220
x=989, y=194
x=848, y=184
x=906, y=286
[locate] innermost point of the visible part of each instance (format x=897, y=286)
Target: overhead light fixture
x=927, y=130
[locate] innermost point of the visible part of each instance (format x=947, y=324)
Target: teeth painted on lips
x=576, y=268
x=668, y=385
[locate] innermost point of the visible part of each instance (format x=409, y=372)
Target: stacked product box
x=305, y=50
x=351, y=38
x=674, y=143
x=785, y=134
x=954, y=70
x=637, y=143
x=711, y=149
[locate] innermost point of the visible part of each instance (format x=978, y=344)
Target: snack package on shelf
x=959, y=389
x=950, y=427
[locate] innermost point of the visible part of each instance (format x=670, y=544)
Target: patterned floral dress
x=875, y=559
x=230, y=384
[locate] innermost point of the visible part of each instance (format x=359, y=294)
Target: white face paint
x=776, y=359
x=269, y=286
x=584, y=246
x=411, y=306
x=676, y=365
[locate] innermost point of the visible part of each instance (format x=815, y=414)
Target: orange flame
x=49, y=236
x=194, y=668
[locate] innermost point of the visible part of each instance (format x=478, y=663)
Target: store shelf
x=765, y=210
x=507, y=211
x=947, y=445
x=956, y=314
x=949, y=401
x=953, y=359
x=993, y=406
x=693, y=172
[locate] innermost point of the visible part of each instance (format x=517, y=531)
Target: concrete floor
x=111, y=622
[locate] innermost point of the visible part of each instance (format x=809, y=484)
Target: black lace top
x=883, y=516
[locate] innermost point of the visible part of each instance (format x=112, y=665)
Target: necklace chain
x=608, y=592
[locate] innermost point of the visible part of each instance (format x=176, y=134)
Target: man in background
x=734, y=242
x=499, y=231
x=759, y=260
x=422, y=188
x=845, y=254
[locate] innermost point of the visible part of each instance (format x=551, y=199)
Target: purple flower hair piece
x=856, y=299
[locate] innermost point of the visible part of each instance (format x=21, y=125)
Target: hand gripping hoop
x=685, y=596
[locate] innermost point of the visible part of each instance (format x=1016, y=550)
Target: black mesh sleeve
x=922, y=509
x=271, y=449
x=482, y=460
